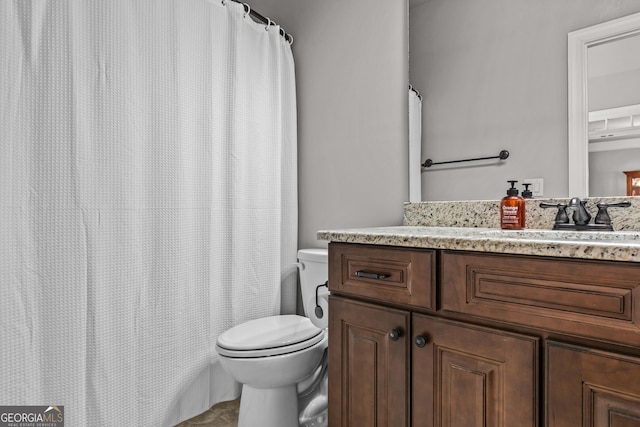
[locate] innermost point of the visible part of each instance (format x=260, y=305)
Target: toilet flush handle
x=318, y=310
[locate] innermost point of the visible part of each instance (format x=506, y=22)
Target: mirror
x=604, y=106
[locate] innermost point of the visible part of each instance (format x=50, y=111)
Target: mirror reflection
x=493, y=75
x=604, y=106
x=613, y=100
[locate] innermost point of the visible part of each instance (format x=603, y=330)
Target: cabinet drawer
x=588, y=299
x=398, y=275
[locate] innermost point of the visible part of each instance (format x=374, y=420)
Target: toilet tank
x=314, y=272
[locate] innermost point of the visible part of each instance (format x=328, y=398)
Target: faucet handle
x=561, y=216
x=624, y=204
x=602, y=217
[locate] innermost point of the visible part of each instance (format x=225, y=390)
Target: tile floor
x=223, y=414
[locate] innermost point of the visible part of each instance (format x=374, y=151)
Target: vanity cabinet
x=452, y=374
x=422, y=337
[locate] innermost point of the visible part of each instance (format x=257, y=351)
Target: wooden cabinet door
x=471, y=376
x=591, y=388
x=368, y=366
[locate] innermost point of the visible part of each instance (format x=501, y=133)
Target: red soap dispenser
x=512, y=210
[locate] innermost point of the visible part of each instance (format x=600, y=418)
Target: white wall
x=493, y=74
x=351, y=71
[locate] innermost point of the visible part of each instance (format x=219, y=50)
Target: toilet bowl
x=280, y=360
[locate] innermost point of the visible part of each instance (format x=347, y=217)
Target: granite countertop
x=613, y=246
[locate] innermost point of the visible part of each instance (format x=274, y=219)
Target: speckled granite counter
x=616, y=246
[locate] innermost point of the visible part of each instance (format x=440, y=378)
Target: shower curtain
x=148, y=201
x=415, y=141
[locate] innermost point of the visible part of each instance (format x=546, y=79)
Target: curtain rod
x=264, y=20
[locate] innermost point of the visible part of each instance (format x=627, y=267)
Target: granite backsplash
x=486, y=213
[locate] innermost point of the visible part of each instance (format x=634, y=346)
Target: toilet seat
x=269, y=336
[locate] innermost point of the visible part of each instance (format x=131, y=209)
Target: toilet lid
x=269, y=336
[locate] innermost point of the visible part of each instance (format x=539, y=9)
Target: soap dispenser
x=527, y=194
x=512, y=209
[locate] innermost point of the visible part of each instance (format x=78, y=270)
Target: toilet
x=281, y=361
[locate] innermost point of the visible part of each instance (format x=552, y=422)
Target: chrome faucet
x=581, y=215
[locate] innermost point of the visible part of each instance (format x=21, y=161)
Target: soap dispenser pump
x=527, y=194
x=512, y=209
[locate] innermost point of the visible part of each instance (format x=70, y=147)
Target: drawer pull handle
x=368, y=275
x=420, y=341
x=395, y=334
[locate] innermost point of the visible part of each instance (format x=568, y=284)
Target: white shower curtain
x=147, y=201
x=415, y=141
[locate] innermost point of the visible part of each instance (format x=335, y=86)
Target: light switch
x=536, y=187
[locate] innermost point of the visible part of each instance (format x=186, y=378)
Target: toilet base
x=272, y=407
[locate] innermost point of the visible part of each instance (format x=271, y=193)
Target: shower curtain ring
x=268, y=25
x=290, y=39
x=246, y=11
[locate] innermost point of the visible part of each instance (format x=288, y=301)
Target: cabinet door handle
x=420, y=341
x=395, y=334
x=367, y=275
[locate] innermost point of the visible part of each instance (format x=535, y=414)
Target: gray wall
x=614, y=81
x=351, y=72
x=606, y=176
x=493, y=74
x=614, y=73
x=614, y=90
